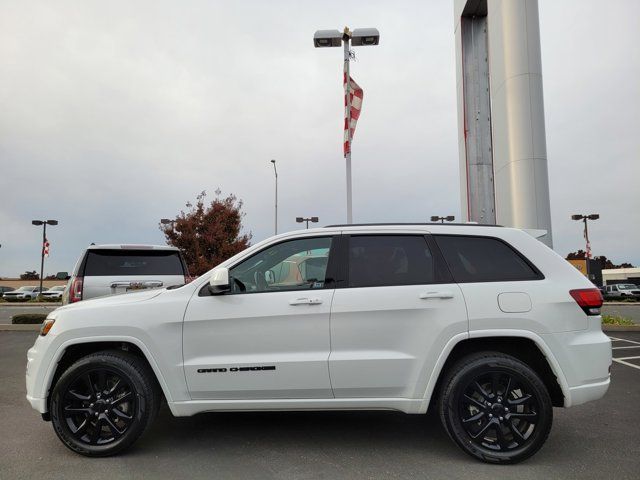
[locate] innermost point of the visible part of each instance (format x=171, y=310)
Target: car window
x=293, y=265
x=386, y=260
x=483, y=259
x=122, y=263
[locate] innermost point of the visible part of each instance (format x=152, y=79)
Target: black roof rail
x=409, y=224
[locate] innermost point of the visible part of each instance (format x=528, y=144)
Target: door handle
x=305, y=301
x=429, y=295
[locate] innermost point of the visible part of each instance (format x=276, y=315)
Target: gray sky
x=115, y=114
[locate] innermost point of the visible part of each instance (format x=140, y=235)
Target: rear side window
x=484, y=259
x=123, y=263
x=385, y=260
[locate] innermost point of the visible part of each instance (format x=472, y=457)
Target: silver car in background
x=22, y=294
x=114, y=269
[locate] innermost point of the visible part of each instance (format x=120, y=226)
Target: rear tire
x=495, y=407
x=103, y=403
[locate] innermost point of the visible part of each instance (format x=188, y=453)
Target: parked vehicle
x=111, y=269
x=54, y=293
x=22, y=294
x=486, y=324
x=621, y=290
x=4, y=289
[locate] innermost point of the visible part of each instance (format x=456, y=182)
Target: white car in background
x=22, y=294
x=54, y=293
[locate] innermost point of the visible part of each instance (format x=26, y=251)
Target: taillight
x=589, y=299
x=75, y=292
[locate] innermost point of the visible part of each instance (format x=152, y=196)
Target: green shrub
x=28, y=318
x=616, y=320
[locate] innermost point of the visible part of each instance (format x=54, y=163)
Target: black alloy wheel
x=98, y=406
x=103, y=402
x=496, y=408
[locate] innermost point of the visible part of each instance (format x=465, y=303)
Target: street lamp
x=310, y=219
x=275, y=171
x=448, y=218
x=359, y=37
x=44, y=224
x=585, y=218
x=166, y=221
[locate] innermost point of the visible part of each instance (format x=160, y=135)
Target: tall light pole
x=585, y=218
x=44, y=224
x=275, y=171
x=334, y=38
x=448, y=218
x=166, y=221
x=309, y=219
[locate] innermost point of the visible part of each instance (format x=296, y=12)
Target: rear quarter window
x=484, y=259
x=121, y=263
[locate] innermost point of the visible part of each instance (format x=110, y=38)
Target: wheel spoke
x=70, y=411
x=531, y=417
x=473, y=418
x=475, y=402
x=483, y=430
x=87, y=380
x=102, y=381
x=482, y=391
x=115, y=385
x=121, y=414
x=81, y=428
x=517, y=436
x=78, y=396
x=501, y=439
x=520, y=401
x=495, y=383
x=112, y=426
x=94, y=436
x=507, y=389
x=121, y=399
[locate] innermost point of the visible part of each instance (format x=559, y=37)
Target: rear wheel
x=495, y=408
x=103, y=403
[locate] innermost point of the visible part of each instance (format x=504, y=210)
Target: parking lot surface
x=593, y=441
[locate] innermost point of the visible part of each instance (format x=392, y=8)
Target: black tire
x=103, y=403
x=495, y=407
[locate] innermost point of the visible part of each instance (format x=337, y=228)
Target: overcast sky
x=115, y=114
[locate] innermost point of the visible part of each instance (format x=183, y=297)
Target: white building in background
x=501, y=133
x=621, y=275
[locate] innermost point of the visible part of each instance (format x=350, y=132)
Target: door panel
x=385, y=341
x=274, y=329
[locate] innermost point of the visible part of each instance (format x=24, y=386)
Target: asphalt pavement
x=593, y=441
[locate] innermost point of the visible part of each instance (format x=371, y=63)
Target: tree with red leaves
x=209, y=234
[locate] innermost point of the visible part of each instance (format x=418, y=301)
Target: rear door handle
x=429, y=295
x=305, y=301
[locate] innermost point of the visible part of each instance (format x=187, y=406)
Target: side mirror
x=219, y=281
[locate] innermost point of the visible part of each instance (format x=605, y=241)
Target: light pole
x=166, y=221
x=585, y=218
x=309, y=219
x=448, y=218
x=358, y=38
x=275, y=171
x=44, y=224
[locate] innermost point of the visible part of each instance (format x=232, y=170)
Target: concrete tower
x=501, y=136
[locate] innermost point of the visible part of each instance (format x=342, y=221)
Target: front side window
x=294, y=265
x=386, y=260
x=483, y=259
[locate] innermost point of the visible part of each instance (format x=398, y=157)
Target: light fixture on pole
x=166, y=221
x=310, y=219
x=448, y=218
x=275, y=171
x=585, y=218
x=358, y=37
x=45, y=244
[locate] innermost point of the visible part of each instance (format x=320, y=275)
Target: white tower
x=501, y=136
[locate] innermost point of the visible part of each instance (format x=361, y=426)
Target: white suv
x=486, y=324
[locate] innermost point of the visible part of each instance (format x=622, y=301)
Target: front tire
x=103, y=403
x=495, y=407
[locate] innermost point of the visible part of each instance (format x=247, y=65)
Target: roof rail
x=470, y=224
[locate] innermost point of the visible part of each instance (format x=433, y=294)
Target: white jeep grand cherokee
x=485, y=324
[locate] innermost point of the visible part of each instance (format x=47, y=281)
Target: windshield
x=627, y=286
x=58, y=288
x=26, y=289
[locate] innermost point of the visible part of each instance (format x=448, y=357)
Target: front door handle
x=429, y=295
x=305, y=301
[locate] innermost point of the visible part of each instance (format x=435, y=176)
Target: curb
x=621, y=328
x=30, y=304
x=9, y=327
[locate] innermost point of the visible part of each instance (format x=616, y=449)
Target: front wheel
x=103, y=403
x=495, y=408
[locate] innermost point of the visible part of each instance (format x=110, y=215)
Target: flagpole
x=346, y=41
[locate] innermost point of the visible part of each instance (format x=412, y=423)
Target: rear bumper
x=588, y=393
